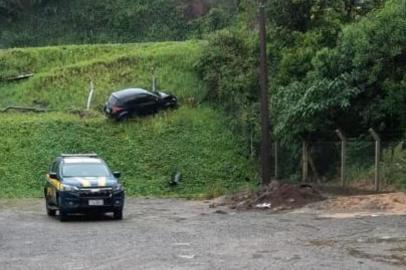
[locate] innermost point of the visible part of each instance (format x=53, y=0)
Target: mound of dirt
x=390, y=202
x=276, y=196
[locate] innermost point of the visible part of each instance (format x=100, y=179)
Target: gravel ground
x=176, y=234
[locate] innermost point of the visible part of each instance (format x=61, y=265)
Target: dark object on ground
x=279, y=196
x=23, y=109
x=175, y=179
x=82, y=183
x=19, y=77
x=136, y=101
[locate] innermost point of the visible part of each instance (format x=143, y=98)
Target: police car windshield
x=85, y=170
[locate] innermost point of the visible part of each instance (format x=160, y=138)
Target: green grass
x=62, y=74
x=146, y=151
x=195, y=139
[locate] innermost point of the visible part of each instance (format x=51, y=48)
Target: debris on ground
x=279, y=196
x=222, y=212
x=23, y=109
x=391, y=202
x=275, y=196
x=189, y=257
x=175, y=178
x=263, y=205
x=17, y=77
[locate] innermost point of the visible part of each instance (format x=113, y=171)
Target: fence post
x=343, y=155
x=89, y=98
x=377, y=156
x=276, y=149
x=153, y=79
x=305, y=162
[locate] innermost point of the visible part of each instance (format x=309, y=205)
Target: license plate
x=96, y=202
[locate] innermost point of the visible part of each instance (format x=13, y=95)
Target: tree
x=355, y=85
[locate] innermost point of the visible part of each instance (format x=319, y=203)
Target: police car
x=82, y=183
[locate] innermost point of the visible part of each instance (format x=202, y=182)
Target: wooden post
x=89, y=98
x=343, y=155
x=305, y=162
x=276, y=149
x=153, y=71
x=377, y=156
x=252, y=148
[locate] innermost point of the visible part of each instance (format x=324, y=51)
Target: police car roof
x=130, y=92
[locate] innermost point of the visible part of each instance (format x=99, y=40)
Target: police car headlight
x=69, y=188
x=117, y=187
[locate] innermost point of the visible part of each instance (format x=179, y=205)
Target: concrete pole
x=377, y=157
x=89, y=98
x=276, y=153
x=343, y=155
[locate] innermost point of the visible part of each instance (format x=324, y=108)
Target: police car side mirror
x=117, y=174
x=53, y=175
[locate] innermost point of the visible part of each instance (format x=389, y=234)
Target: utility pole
x=263, y=81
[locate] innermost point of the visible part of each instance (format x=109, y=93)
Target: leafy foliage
x=357, y=83
x=394, y=165
x=107, y=21
x=333, y=64
x=228, y=67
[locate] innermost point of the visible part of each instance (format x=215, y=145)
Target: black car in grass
x=82, y=183
x=136, y=101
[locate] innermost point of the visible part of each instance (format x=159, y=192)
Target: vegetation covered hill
x=332, y=64
x=196, y=139
x=107, y=21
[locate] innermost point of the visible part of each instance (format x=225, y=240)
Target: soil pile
x=276, y=196
x=392, y=202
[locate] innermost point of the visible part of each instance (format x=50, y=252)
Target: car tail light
x=116, y=109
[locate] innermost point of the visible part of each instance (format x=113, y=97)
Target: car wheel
x=118, y=214
x=173, y=104
x=50, y=212
x=123, y=118
x=63, y=216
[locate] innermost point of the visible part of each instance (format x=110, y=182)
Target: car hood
x=84, y=182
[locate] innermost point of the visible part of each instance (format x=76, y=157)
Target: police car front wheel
x=118, y=214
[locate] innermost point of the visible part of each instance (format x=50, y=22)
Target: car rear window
x=85, y=170
x=113, y=101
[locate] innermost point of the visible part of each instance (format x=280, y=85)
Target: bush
x=394, y=166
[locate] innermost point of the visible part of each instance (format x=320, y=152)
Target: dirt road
x=176, y=234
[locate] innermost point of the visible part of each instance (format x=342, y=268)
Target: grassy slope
x=62, y=74
x=146, y=150
x=195, y=140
